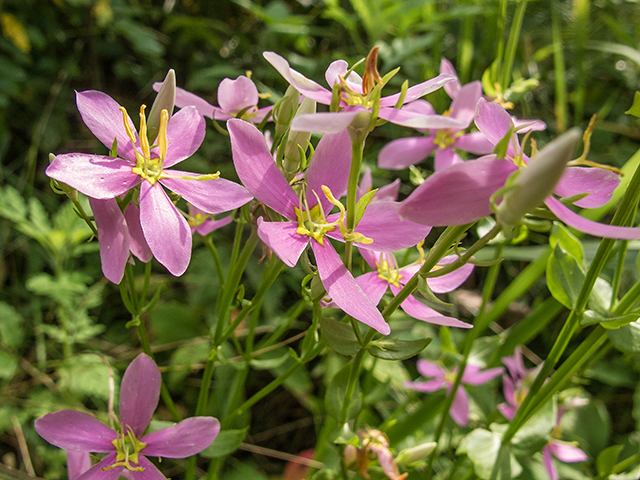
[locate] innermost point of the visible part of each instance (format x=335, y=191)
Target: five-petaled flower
x=127, y=447
x=105, y=178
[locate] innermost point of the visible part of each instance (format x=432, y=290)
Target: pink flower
x=128, y=447
x=442, y=378
x=516, y=384
x=102, y=178
x=567, y=452
x=204, y=223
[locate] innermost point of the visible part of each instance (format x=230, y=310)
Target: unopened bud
x=165, y=100
x=285, y=110
x=297, y=140
x=537, y=181
x=415, y=454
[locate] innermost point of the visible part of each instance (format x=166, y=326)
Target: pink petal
x=507, y=411
x=326, y=122
x=75, y=431
x=281, y=237
x=209, y=226
x=386, y=461
x=165, y=229
x=183, y=440
x=102, y=115
x=211, y=196
x=566, y=452
x=599, y=183
x=528, y=125
x=96, y=176
x=77, y=463
x=445, y=157
x=418, y=310
x=458, y=194
x=97, y=472
x=257, y=169
x=344, y=290
x=366, y=182
x=150, y=471
x=463, y=107
x=596, y=229
x=492, y=120
x=236, y=95
x=548, y=463
x=474, y=142
x=403, y=152
x=473, y=375
x=452, y=88
x=185, y=98
x=340, y=68
x=388, y=192
x=430, y=369
x=460, y=408
x=515, y=364
x=185, y=133
x=139, y=394
x=509, y=389
x=450, y=281
x=373, y=286
x=306, y=87
x=113, y=237
x=407, y=118
x=137, y=242
x=419, y=90
x=428, y=386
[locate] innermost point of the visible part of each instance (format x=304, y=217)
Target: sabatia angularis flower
x=473, y=375
x=516, y=384
x=355, y=97
x=308, y=219
x=374, y=442
x=203, y=223
x=104, y=178
x=128, y=447
x=567, y=452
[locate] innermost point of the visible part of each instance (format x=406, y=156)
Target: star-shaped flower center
x=128, y=448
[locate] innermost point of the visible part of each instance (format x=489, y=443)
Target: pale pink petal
x=430, y=369
x=366, y=183
x=599, y=183
x=165, y=229
x=528, y=125
x=373, y=286
x=185, y=133
x=306, y=87
x=236, y=95
x=137, y=242
x=77, y=463
x=259, y=115
x=509, y=389
x=139, y=394
x=515, y=364
x=566, y=452
x=281, y=237
x=75, y=431
x=473, y=375
x=185, y=98
x=419, y=90
x=403, y=152
x=113, y=237
x=418, y=310
x=340, y=68
x=584, y=225
x=407, y=118
x=458, y=194
x=474, y=142
x=507, y=411
x=452, y=88
x=329, y=166
x=445, y=157
x=326, y=122
x=420, y=106
x=257, y=169
x=102, y=115
x=460, y=408
x=428, y=386
x=344, y=290
x=100, y=470
x=211, y=196
x=450, y=281
x=386, y=461
x=96, y=176
x=549, y=464
x=389, y=192
x=182, y=440
x=463, y=107
x=150, y=471
x=492, y=120
x=209, y=226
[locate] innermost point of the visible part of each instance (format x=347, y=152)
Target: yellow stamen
x=144, y=140
x=371, y=75
x=162, y=135
x=586, y=139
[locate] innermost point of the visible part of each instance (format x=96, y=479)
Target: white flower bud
x=415, y=454
x=165, y=100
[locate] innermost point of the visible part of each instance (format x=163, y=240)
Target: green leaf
x=568, y=241
x=608, y=458
x=627, y=338
x=564, y=277
x=535, y=433
x=397, y=349
x=635, y=108
x=12, y=205
x=484, y=449
x=8, y=364
x=339, y=336
x=591, y=318
x=334, y=398
x=225, y=443
x=424, y=289
x=11, y=331
x=363, y=203
x=85, y=375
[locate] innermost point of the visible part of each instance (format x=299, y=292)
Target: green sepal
x=503, y=145
x=363, y=203
x=403, y=94
x=423, y=288
x=607, y=459
x=346, y=436
x=635, y=108
x=339, y=336
x=114, y=148
x=153, y=302
x=397, y=349
x=335, y=97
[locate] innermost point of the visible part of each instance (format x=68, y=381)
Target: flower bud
x=285, y=110
x=412, y=455
x=291, y=161
x=537, y=181
x=165, y=100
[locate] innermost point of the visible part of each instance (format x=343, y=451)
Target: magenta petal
x=98, y=472
x=509, y=389
x=599, y=183
x=209, y=226
x=150, y=471
x=338, y=69
x=281, y=237
x=458, y=194
x=344, y=290
x=565, y=452
x=430, y=369
x=102, y=115
x=445, y=157
x=211, y=196
x=492, y=120
x=325, y=122
x=185, y=133
x=236, y=95
x=548, y=463
x=418, y=310
x=329, y=166
x=474, y=142
x=187, y=438
x=460, y=407
x=139, y=393
x=407, y=118
x=452, y=88
x=185, y=98
x=382, y=223
x=463, y=107
x=257, y=169
x=507, y=411
x=165, y=229
x=96, y=176
x=306, y=87
x=584, y=225
x=373, y=286
x=450, y=281
x=428, y=386
x=137, y=242
x=77, y=463
x=403, y=152
x=419, y=90
x=113, y=237
x=75, y=431
x=366, y=183
x=475, y=376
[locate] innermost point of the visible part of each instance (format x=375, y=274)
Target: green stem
x=216, y=258
x=559, y=69
x=351, y=386
x=512, y=44
x=357, y=146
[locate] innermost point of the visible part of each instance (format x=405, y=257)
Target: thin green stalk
x=351, y=386
x=357, y=146
x=559, y=69
x=581, y=19
x=512, y=45
x=292, y=314
x=216, y=258
x=465, y=48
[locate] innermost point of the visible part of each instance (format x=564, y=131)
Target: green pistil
x=313, y=224
x=385, y=272
x=150, y=170
x=198, y=219
x=128, y=448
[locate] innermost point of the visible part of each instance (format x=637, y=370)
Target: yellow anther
x=371, y=75
x=162, y=134
x=144, y=140
x=127, y=126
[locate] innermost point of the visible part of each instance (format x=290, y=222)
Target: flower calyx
x=128, y=449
